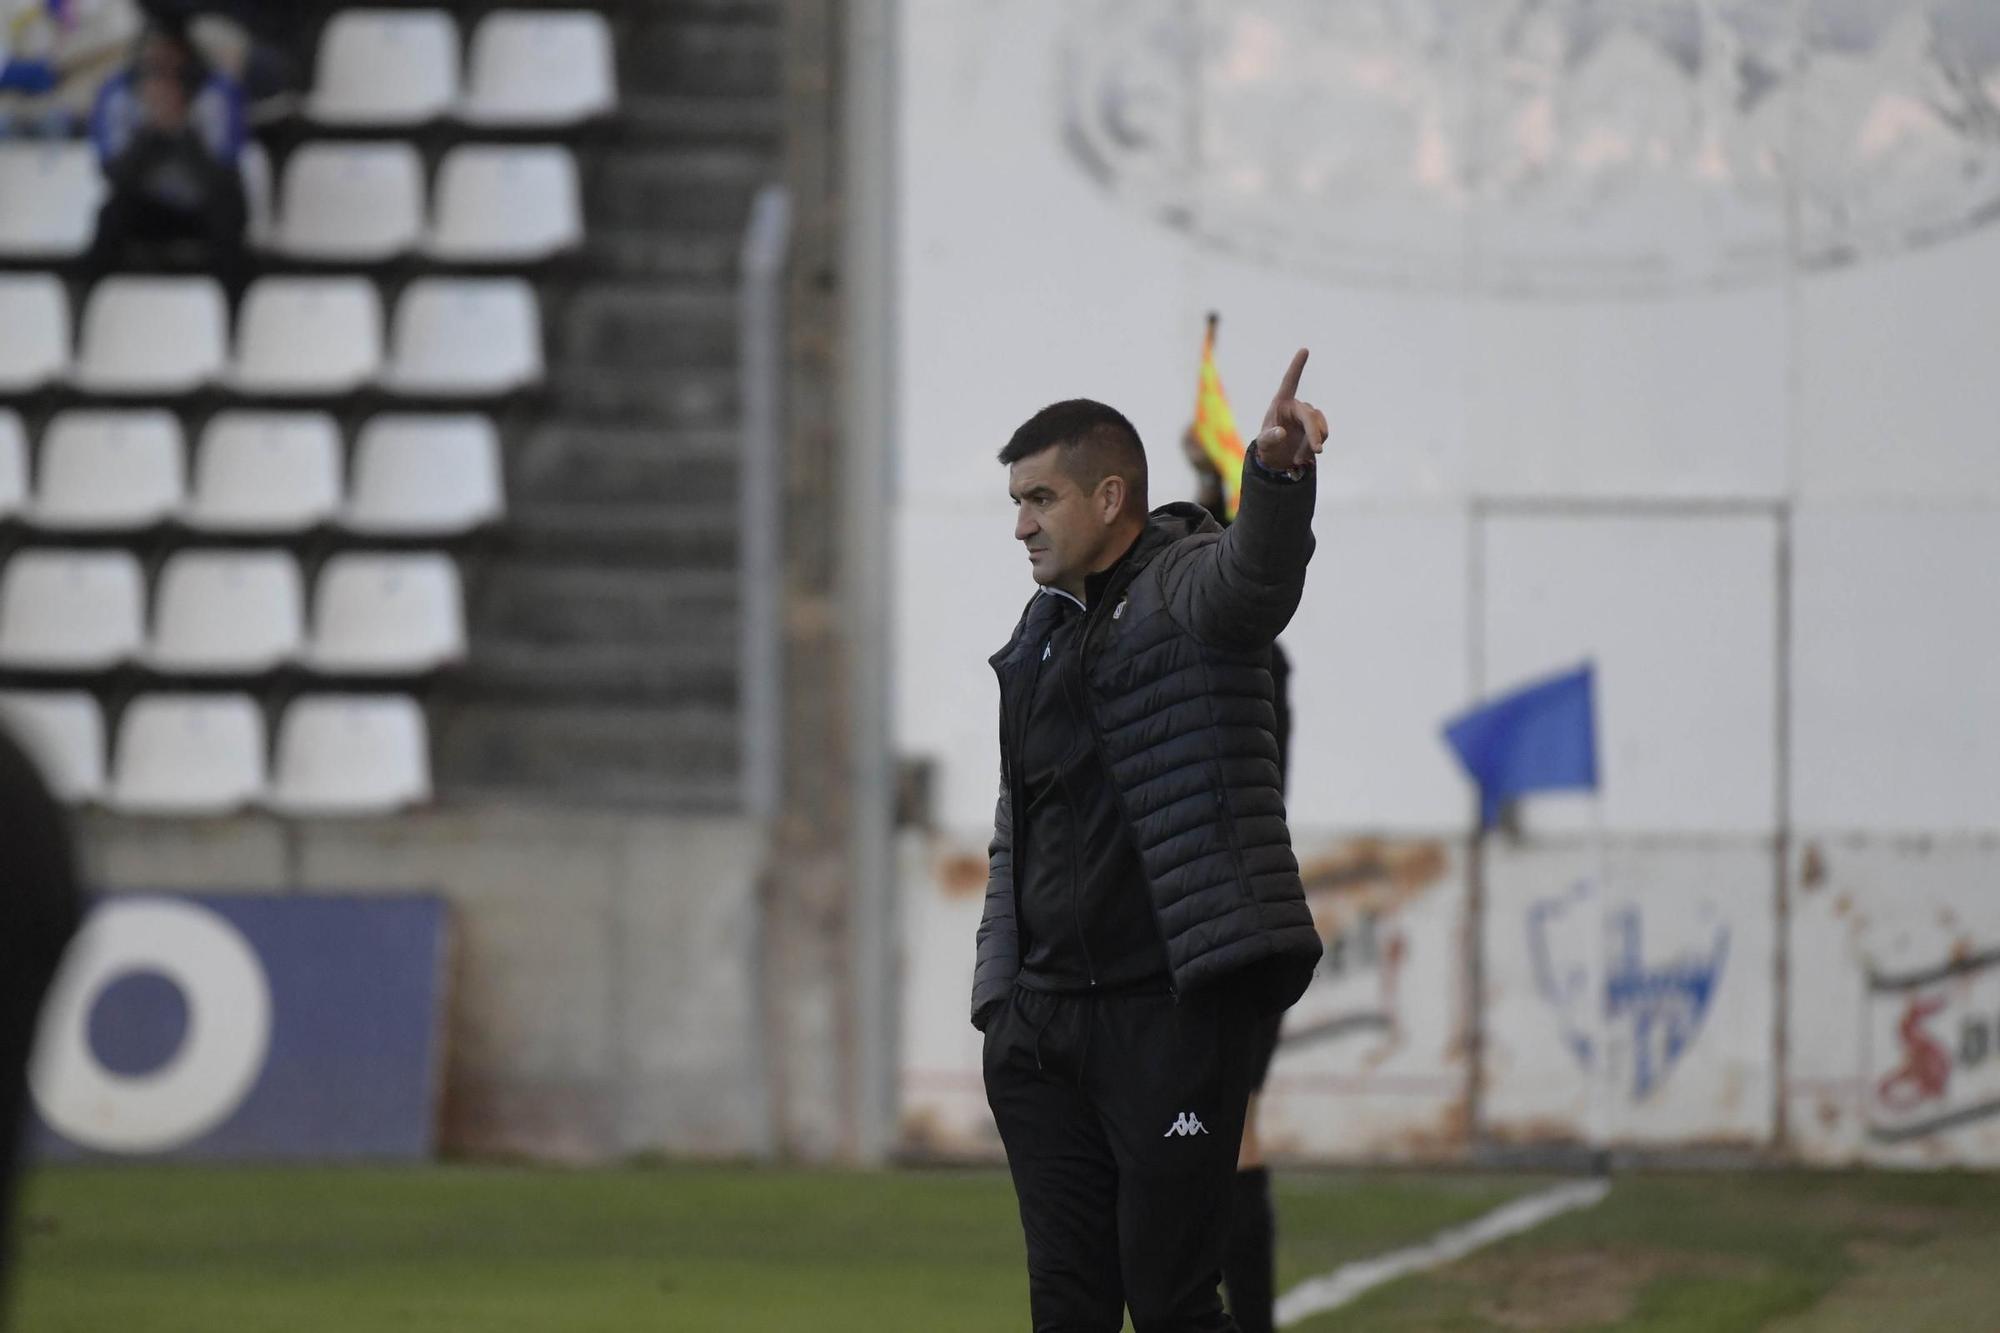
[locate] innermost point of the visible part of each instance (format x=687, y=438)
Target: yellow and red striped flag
x=1215, y=425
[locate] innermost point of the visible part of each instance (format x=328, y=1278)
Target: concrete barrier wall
x=605, y=995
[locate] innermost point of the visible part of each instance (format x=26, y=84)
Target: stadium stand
x=385, y=67
x=34, y=331
x=533, y=266
x=425, y=476
x=465, y=338
x=153, y=335
x=265, y=473
x=13, y=463
x=64, y=730
x=391, y=615
x=299, y=337
x=66, y=610
x=503, y=204
x=49, y=197
x=188, y=754
x=539, y=69
x=351, y=754
x=351, y=202
x=107, y=470
x=227, y=613
x=259, y=195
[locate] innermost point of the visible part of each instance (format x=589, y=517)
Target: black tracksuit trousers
x=1122, y=1116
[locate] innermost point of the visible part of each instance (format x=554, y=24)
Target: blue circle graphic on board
x=138, y=1023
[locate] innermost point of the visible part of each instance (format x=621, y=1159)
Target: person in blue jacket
x=169, y=133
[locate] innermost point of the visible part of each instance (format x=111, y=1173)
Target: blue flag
x=1541, y=737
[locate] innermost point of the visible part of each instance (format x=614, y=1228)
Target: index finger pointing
x=1289, y=388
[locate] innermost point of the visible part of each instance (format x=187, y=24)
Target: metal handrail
x=761, y=360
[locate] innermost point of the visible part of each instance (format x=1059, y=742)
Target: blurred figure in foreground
x=40, y=909
x=1249, y=1258
x=169, y=132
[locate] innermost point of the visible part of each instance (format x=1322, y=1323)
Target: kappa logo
x=1187, y=1122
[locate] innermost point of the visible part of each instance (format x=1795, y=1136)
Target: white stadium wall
x=1624, y=361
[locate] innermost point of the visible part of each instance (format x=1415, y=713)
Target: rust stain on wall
x=961, y=874
x=1402, y=868
x=925, y=1137
x=1446, y=1136
x=1812, y=868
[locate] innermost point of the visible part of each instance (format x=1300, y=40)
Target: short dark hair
x=1097, y=441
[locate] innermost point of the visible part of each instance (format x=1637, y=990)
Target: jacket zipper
x=1075, y=875
x=1081, y=704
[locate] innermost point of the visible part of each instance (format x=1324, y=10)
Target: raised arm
x=1240, y=589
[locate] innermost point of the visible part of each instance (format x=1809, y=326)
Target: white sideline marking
x=1330, y=1291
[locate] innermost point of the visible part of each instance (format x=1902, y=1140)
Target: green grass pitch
x=515, y=1250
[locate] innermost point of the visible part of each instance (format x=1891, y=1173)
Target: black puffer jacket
x=1177, y=667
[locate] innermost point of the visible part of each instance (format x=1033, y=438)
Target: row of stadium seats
x=256, y=473
x=205, y=754
x=400, y=67
x=340, y=202
x=230, y=613
x=296, y=336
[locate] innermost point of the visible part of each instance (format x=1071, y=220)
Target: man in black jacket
x=1143, y=909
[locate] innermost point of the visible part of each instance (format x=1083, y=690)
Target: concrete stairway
x=604, y=623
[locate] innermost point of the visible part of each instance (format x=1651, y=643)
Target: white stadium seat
x=352, y=202
x=13, y=463
x=502, y=204
x=188, y=754
x=422, y=476
x=258, y=192
x=63, y=731
x=224, y=612
x=49, y=197
x=385, y=67
x=466, y=338
x=265, y=472
x=540, y=68
x=308, y=336
x=71, y=610
x=109, y=471
x=152, y=335
x=387, y=614
x=351, y=754
x=34, y=331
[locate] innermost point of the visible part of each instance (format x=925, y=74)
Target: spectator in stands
x=169, y=132
x=39, y=912
x=249, y=41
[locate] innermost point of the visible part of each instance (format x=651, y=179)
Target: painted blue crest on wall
x=1619, y=1011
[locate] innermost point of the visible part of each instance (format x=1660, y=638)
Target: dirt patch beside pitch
x=1579, y=1287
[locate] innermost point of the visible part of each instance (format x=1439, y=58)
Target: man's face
x=1060, y=523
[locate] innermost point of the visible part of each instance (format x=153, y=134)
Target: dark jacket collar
x=1166, y=525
